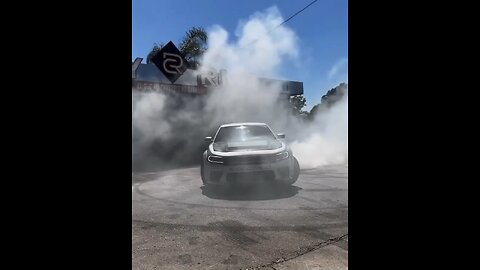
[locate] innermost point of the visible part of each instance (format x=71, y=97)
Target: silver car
x=248, y=152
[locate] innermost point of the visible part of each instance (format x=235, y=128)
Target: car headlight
x=215, y=159
x=282, y=155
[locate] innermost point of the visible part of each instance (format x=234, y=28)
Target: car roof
x=243, y=124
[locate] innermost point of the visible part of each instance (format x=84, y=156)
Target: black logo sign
x=170, y=62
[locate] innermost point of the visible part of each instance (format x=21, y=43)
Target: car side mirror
x=281, y=135
x=208, y=139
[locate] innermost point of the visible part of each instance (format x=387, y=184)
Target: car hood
x=246, y=148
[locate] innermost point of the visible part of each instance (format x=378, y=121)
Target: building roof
x=150, y=73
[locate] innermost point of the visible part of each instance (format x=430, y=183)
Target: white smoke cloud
x=259, y=49
x=339, y=67
x=260, y=46
x=147, y=109
x=328, y=142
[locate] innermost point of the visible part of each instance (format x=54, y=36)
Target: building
x=147, y=77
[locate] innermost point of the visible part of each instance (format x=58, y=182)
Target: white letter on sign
x=176, y=59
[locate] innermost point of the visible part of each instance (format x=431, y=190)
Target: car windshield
x=243, y=134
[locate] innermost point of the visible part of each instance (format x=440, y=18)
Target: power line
x=298, y=12
x=291, y=17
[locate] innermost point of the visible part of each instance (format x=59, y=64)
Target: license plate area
x=249, y=168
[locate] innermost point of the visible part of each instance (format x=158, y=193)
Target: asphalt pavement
x=177, y=223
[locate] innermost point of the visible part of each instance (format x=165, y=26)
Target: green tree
x=192, y=46
x=297, y=103
x=334, y=94
x=153, y=51
x=329, y=99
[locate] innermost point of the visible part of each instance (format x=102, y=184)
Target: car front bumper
x=278, y=171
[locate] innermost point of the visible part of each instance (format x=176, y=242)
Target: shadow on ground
x=257, y=192
x=155, y=164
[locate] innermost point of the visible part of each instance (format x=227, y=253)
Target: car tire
x=202, y=174
x=296, y=172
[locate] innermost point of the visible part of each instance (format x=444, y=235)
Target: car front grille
x=249, y=160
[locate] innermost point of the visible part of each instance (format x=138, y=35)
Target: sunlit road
x=179, y=224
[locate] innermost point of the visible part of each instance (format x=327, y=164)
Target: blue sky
x=322, y=30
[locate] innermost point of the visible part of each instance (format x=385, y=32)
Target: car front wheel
x=202, y=174
x=296, y=172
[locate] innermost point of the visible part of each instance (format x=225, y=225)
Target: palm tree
x=192, y=46
x=153, y=51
